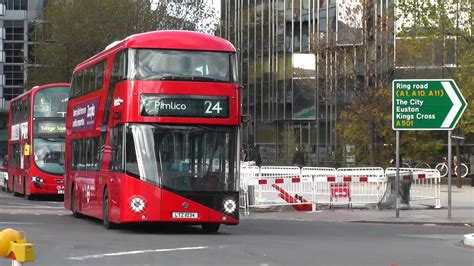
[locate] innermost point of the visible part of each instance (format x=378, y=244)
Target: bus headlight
x=229, y=205
x=137, y=205
x=37, y=179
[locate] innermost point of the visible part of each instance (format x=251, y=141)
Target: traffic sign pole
x=426, y=104
x=397, y=178
x=449, y=173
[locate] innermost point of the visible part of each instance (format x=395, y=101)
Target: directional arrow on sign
x=431, y=104
x=456, y=103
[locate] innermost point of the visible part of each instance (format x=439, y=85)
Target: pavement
x=462, y=212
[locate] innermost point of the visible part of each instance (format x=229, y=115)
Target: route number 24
x=210, y=108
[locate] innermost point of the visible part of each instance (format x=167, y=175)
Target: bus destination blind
x=50, y=127
x=184, y=106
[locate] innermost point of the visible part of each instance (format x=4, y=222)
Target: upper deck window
x=51, y=102
x=152, y=64
x=88, y=80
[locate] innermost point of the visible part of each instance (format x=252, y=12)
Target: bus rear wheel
x=15, y=193
x=210, y=228
x=25, y=195
x=106, y=212
x=75, y=214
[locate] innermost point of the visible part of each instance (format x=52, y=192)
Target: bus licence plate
x=60, y=191
x=185, y=215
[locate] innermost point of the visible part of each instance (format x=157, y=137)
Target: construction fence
x=312, y=188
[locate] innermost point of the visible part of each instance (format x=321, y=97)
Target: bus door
x=143, y=166
x=94, y=181
x=112, y=177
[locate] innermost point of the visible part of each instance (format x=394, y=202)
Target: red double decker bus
x=36, y=133
x=154, y=137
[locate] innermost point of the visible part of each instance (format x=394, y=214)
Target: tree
x=72, y=31
x=365, y=121
x=446, y=27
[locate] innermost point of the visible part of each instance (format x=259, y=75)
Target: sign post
x=397, y=176
x=430, y=104
x=449, y=173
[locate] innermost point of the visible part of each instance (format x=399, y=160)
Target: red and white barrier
x=281, y=180
x=348, y=187
x=311, y=187
x=280, y=185
x=425, y=183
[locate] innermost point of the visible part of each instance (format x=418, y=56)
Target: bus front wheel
x=210, y=228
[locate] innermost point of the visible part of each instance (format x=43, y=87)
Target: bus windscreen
x=153, y=64
x=49, y=154
x=184, y=158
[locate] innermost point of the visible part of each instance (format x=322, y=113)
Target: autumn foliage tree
x=366, y=121
x=446, y=27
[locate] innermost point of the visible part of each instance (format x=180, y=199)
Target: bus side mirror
x=116, y=116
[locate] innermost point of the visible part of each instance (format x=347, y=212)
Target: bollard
x=13, y=246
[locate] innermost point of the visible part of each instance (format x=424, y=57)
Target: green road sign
x=430, y=104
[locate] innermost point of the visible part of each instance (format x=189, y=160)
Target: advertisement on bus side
x=84, y=115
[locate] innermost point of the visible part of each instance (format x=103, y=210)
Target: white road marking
x=436, y=236
x=17, y=223
x=30, y=206
x=134, y=252
x=55, y=202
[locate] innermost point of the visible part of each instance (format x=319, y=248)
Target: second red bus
x=36, y=133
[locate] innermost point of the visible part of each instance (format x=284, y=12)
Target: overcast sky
x=217, y=5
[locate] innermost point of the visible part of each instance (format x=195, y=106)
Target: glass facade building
x=301, y=62
x=17, y=18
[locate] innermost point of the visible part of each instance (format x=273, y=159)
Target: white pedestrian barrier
x=309, y=188
x=348, y=187
x=318, y=170
x=3, y=178
x=280, y=185
x=247, y=173
x=424, y=184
